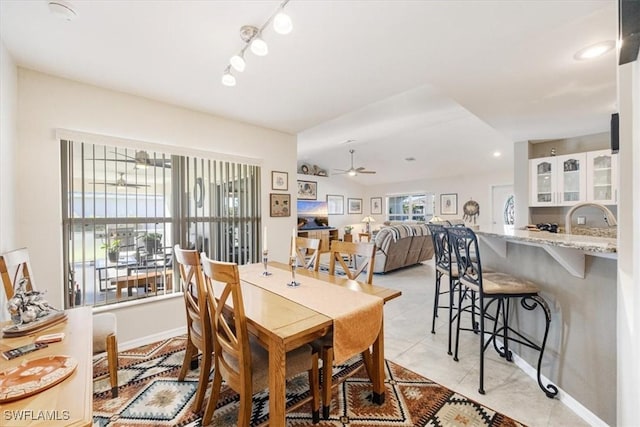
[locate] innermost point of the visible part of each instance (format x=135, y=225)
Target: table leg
x=277, y=370
x=377, y=370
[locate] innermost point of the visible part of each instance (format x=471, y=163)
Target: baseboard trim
x=148, y=339
x=564, y=397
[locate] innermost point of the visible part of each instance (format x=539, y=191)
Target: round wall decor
x=471, y=211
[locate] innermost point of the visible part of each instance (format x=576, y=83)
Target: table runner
x=357, y=317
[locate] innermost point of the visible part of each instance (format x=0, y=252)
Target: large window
x=410, y=207
x=125, y=208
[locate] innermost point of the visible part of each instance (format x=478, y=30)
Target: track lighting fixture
x=252, y=38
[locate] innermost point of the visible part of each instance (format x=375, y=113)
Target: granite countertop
x=575, y=241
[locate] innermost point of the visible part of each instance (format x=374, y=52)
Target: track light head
x=282, y=23
x=259, y=47
x=237, y=62
x=228, y=79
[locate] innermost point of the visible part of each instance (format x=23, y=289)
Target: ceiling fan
x=352, y=171
x=121, y=183
x=142, y=160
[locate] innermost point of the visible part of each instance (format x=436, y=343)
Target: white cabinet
x=558, y=181
x=602, y=177
x=542, y=181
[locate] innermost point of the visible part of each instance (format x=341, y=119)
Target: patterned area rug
x=151, y=395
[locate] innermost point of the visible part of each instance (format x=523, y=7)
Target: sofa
x=401, y=246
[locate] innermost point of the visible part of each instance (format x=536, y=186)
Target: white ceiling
x=446, y=82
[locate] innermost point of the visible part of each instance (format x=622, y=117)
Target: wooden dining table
x=68, y=403
x=281, y=325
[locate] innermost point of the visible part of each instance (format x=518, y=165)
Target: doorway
x=502, y=209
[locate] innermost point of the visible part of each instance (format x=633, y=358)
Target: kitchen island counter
x=577, y=277
x=597, y=245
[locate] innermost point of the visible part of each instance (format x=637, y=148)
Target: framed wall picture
x=449, y=204
x=335, y=204
x=280, y=204
x=376, y=206
x=354, y=206
x=307, y=190
x=279, y=181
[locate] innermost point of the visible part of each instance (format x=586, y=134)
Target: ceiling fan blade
x=115, y=184
x=367, y=172
x=128, y=185
x=123, y=155
x=141, y=158
x=114, y=160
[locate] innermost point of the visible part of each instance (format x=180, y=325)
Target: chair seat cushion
x=323, y=341
x=454, y=270
x=504, y=284
x=298, y=361
x=104, y=324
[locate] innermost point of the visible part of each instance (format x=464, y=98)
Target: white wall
x=628, y=317
x=476, y=187
x=8, y=143
x=46, y=103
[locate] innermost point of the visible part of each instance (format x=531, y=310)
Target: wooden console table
x=325, y=235
x=69, y=403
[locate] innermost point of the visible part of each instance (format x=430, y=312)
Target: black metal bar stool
x=443, y=265
x=501, y=289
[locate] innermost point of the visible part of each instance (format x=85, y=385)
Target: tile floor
x=409, y=342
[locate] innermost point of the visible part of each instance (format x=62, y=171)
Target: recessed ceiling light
x=410, y=159
x=62, y=9
x=595, y=50
x=497, y=154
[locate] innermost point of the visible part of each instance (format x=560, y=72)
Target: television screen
x=312, y=214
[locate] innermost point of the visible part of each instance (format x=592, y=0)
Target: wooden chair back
x=360, y=254
x=14, y=266
x=231, y=337
x=308, y=253
x=195, y=298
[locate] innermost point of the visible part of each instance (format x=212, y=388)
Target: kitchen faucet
x=609, y=217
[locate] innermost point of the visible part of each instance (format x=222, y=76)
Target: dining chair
x=308, y=253
x=354, y=253
x=362, y=253
x=239, y=359
x=15, y=266
x=199, y=332
x=499, y=289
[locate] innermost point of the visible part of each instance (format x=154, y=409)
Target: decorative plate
x=305, y=169
x=34, y=376
x=12, y=331
x=471, y=210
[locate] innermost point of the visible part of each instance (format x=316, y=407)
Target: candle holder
x=294, y=263
x=265, y=259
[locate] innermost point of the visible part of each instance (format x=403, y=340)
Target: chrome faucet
x=609, y=217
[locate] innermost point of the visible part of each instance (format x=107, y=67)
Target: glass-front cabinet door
x=572, y=186
x=543, y=181
x=601, y=178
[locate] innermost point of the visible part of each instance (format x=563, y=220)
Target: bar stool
x=443, y=264
x=496, y=288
